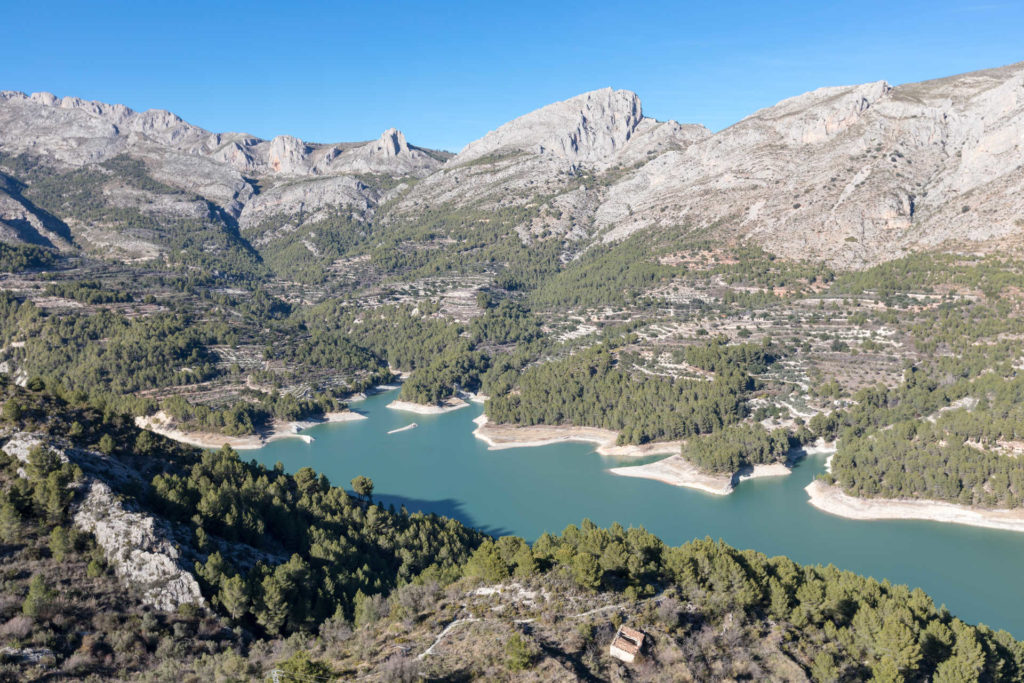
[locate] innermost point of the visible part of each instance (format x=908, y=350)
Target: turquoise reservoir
x=440, y=467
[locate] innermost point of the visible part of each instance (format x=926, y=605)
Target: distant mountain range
x=851, y=175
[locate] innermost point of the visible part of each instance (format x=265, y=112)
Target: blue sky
x=446, y=73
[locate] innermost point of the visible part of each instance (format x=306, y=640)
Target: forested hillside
x=261, y=539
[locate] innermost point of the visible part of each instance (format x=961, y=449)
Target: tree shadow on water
x=448, y=507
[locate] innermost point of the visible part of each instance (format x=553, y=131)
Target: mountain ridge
x=849, y=175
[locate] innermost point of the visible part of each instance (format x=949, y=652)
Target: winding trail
x=442, y=634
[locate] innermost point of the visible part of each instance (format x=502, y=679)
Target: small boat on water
x=405, y=428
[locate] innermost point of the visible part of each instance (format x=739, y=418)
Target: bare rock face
x=309, y=198
x=853, y=175
x=138, y=546
x=138, y=549
x=288, y=155
x=391, y=144
x=588, y=128
x=19, y=223
x=76, y=133
x=388, y=155
x=544, y=153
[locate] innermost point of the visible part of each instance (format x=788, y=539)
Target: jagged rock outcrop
x=307, y=201
x=545, y=152
x=21, y=223
x=588, y=128
x=592, y=129
x=218, y=167
x=78, y=132
x=139, y=547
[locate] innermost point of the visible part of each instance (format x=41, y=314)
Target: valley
x=842, y=271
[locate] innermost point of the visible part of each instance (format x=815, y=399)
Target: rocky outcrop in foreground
x=138, y=548
x=137, y=545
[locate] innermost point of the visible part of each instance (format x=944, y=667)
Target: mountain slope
x=61, y=153
x=551, y=162
x=850, y=175
x=853, y=175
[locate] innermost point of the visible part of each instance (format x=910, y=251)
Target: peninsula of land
x=678, y=471
x=502, y=436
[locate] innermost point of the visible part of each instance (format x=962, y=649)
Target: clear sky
x=446, y=73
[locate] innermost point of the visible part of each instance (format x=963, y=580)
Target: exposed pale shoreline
x=500, y=437
x=678, y=471
x=421, y=409
x=161, y=423
x=833, y=500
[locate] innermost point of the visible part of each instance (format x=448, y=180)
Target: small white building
x=627, y=644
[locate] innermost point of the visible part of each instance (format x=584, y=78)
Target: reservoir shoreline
x=674, y=470
x=831, y=499
x=502, y=436
x=161, y=423
x=441, y=467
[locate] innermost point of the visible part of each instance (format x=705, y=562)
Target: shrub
x=401, y=669
x=12, y=410
x=18, y=628
x=300, y=666
x=518, y=653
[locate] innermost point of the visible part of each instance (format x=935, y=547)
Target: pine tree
x=274, y=607
x=898, y=643
x=968, y=660
x=107, y=444
x=886, y=671
x=824, y=669
x=586, y=571
x=38, y=598
x=234, y=596
x=10, y=522
x=363, y=486
x=60, y=543
x=524, y=562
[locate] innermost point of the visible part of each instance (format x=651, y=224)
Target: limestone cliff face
x=588, y=128
x=279, y=184
x=545, y=152
x=219, y=167
x=77, y=132
x=852, y=175
x=139, y=547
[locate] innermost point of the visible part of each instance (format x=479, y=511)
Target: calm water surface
x=440, y=467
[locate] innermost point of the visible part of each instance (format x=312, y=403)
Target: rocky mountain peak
x=587, y=128
x=818, y=115
x=392, y=143
x=288, y=155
